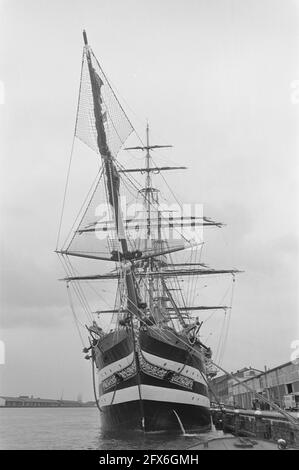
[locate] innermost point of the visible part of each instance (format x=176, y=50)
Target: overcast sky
x=216, y=79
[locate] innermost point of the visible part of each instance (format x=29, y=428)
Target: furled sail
x=116, y=123
x=102, y=125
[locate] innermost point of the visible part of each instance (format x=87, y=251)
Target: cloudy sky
x=217, y=79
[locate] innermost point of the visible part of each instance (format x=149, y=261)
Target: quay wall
x=263, y=425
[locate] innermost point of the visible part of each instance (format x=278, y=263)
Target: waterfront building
x=273, y=384
x=222, y=386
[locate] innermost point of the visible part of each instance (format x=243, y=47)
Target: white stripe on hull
x=177, y=367
x=150, y=392
x=116, y=366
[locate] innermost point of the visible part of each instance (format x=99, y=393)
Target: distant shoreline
x=45, y=406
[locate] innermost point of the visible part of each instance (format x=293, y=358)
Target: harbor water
x=78, y=428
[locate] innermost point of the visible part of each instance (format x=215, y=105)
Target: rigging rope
x=77, y=322
x=228, y=323
x=221, y=336
x=94, y=382
x=71, y=157
x=91, y=192
x=78, y=288
x=65, y=192
x=74, y=314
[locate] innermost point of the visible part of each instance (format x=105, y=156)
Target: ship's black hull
x=152, y=384
x=158, y=416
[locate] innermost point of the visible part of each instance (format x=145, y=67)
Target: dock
x=234, y=443
x=267, y=426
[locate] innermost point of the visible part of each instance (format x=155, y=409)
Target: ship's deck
x=234, y=443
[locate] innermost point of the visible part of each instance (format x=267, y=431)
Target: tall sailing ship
x=150, y=367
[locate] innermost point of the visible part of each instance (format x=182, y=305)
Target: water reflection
x=80, y=428
x=155, y=440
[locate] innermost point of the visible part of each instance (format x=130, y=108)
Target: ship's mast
x=112, y=182
x=149, y=200
x=148, y=183
x=154, y=283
